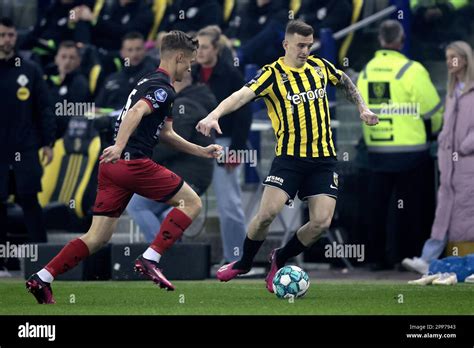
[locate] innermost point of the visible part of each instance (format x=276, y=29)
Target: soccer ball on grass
x=290, y=282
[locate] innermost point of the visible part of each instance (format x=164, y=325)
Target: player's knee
x=318, y=225
x=265, y=218
x=197, y=203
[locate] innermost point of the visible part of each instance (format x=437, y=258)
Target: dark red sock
x=73, y=252
x=171, y=230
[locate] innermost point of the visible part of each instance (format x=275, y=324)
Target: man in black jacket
x=191, y=15
x=114, y=21
x=192, y=101
x=264, y=21
x=27, y=126
x=135, y=64
x=58, y=24
x=333, y=14
x=66, y=83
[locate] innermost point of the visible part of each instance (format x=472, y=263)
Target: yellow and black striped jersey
x=298, y=106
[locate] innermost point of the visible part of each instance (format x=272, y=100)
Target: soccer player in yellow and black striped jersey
x=298, y=106
x=294, y=91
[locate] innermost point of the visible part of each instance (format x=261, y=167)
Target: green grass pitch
x=241, y=297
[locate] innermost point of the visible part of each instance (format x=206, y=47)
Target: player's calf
x=187, y=201
x=312, y=230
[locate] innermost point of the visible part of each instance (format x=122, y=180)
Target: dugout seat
x=69, y=181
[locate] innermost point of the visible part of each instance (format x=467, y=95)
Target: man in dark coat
x=27, y=126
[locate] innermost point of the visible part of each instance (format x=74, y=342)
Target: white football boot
x=469, y=279
x=416, y=264
x=446, y=279
x=426, y=279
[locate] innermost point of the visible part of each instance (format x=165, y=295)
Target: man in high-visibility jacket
x=410, y=112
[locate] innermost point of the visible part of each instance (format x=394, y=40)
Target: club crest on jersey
x=319, y=71
x=160, y=95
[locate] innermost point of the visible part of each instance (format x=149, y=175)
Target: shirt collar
x=289, y=68
x=389, y=52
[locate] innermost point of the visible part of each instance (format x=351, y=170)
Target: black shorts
x=305, y=176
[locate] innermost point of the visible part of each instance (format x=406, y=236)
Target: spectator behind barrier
x=66, y=82
x=224, y=79
x=437, y=22
x=333, y=14
x=191, y=15
x=262, y=31
x=118, y=85
x=191, y=103
x=454, y=220
x=55, y=26
x=122, y=17
x=229, y=13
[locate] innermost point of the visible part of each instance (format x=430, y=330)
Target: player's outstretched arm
x=235, y=101
x=129, y=123
x=170, y=137
x=353, y=95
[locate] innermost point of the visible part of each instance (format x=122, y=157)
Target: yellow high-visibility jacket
x=401, y=93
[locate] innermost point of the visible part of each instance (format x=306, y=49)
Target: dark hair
x=390, y=31
x=178, y=40
x=68, y=44
x=7, y=22
x=298, y=27
x=132, y=35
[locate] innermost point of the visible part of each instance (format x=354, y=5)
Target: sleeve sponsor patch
x=152, y=100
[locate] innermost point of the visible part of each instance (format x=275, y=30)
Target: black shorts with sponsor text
x=304, y=176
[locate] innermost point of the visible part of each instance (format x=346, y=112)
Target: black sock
x=292, y=248
x=251, y=248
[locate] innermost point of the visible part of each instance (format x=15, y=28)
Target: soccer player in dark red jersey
x=126, y=168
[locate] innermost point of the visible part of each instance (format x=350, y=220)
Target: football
x=290, y=282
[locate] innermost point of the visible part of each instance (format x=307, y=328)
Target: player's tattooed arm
x=351, y=91
x=354, y=96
